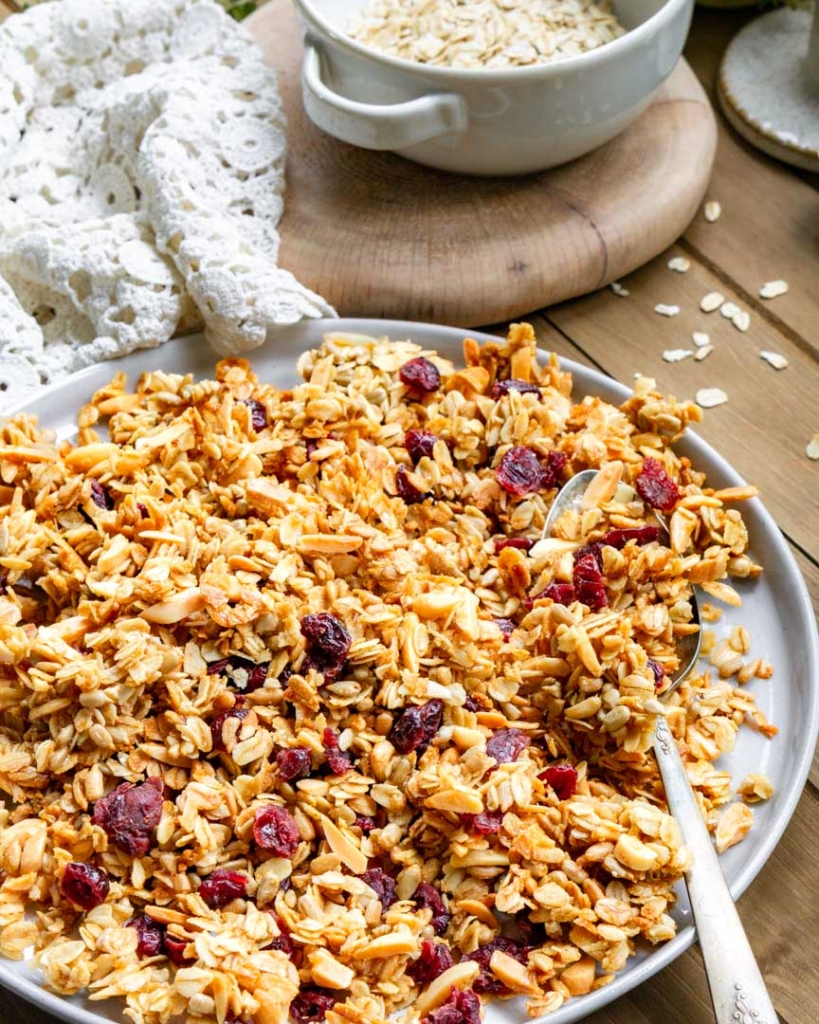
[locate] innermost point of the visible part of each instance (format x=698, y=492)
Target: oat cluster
x=302, y=719
x=485, y=33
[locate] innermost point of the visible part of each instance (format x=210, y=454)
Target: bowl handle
x=391, y=126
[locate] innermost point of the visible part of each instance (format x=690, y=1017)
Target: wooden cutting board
x=380, y=236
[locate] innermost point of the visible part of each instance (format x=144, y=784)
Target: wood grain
x=380, y=236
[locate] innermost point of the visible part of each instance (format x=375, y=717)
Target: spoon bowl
x=689, y=644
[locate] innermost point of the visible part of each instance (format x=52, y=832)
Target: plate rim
x=578, y=1008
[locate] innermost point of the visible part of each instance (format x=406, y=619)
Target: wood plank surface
x=769, y=229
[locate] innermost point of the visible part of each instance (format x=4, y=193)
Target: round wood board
x=380, y=236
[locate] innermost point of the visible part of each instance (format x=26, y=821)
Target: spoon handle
x=738, y=991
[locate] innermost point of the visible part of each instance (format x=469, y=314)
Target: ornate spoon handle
x=738, y=992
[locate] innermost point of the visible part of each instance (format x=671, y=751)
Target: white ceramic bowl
x=490, y=122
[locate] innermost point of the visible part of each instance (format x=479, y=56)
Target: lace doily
x=142, y=148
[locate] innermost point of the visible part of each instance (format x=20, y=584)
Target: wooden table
x=769, y=229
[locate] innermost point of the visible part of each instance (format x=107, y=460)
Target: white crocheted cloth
x=142, y=147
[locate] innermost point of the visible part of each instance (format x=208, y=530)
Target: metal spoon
x=738, y=991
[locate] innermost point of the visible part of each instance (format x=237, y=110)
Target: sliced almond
x=456, y=800
x=460, y=976
x=179, y=607
x=341, y=844
x=512, y=973
x=603, y=486
x=328, y=972
x=328, y=544
x=394, y=944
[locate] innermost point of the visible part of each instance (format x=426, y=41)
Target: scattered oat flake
x=680, y=264
x=676, y=355
x=773, y=289
x=701, y=339
x=664, y=310
x=729, y=310
x=710, y=397
x=776, y=359
x=812, y=450
x=704, y=352
x=619, y=289
x=741, y=320
x=712, y=211
x=711, y=301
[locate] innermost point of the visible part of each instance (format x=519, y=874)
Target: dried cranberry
x=506, y=745
x=420, y=375
x=562, y=778
x=150, y=935
x=382, y=885
x=84, y=885
x=472, y=703
x=222, y=887
x=294, y=764
x=311, y=444
x=258, y=413
x=486, y=980
x=521, y=543
x=143, y=510
x=555, y=464
x=275, y=829
x=100, y=496
x=520, y=472
x=560, y=593
x=416, y=726
x=658, y=672
x=338, y=761
x=419, y=443
x=589, y=582
x=503, y=387
x=428, y=898
x=175, y=950
x=434, y=959
x=407, y=490
x=129, y=814
x=656, y=487
x=619, y=538
x=485, y=824
x=284, y=676
x=506, y=626
x=244, y=674
x=283, y=942
x=328, y=643
x=461, y=1007
x=217, y=724
x=365, y=823
x=312, y=1004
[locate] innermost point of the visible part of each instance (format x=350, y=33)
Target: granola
x=302, y=718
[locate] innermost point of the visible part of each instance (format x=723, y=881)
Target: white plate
x=776, y=610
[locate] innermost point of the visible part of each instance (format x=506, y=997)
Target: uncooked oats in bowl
x=302, y=718
x=482, y=86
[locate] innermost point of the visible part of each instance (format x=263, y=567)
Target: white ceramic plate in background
x=776, y=610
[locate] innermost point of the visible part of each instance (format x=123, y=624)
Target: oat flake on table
x=142, y=149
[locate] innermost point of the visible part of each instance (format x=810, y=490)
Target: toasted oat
x=729, y=310
x=701, y=339
x=741, y=320
x=775, y=359
x=773, y=289
x=755, y=787
x=703, y=353
x=485, y=33
x=619, y=289
x=712, y=301
x=812, y=449
x=712, y=210
x=733, y=826
x=664, y=310
x=679, y=263
x=676, y=355
x=708, y=398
